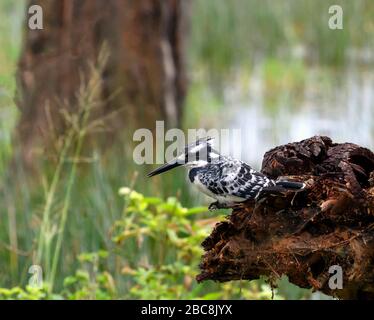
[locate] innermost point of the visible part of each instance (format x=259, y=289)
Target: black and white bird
x=227, y=180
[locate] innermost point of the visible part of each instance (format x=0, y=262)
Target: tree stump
x=301, y=235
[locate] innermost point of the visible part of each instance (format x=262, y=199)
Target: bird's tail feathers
x=291, y=185
x=281, y=186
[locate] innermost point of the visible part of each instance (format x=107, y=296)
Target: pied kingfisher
x=227, y=180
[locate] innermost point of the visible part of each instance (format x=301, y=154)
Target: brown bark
x=302, y=234
x=146, y=64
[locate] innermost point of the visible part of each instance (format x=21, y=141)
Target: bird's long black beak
x=164, y=168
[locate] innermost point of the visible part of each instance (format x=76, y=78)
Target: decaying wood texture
x=301, y=235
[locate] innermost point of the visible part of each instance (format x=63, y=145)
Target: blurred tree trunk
x=146, y=65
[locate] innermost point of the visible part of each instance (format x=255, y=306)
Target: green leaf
x=212, y=296
x=152, y=200
x=196, y=210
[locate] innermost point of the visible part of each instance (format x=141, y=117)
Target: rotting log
x=301, y=235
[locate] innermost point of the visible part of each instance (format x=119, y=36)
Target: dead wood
x=301, y=235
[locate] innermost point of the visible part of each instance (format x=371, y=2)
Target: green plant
x=88, y=98
x=17, y=293
x=157, y=251
x=167, y=239
x=89, y=282
x=164, y=241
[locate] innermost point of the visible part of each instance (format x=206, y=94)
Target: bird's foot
x=218, y=205
x=214, y=206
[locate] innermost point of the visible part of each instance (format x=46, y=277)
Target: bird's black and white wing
x=237, y=181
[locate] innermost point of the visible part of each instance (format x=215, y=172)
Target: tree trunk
x=146, y=65
x=302, y=235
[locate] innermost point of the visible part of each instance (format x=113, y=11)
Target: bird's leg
x=218, y=205
x=213, y=206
